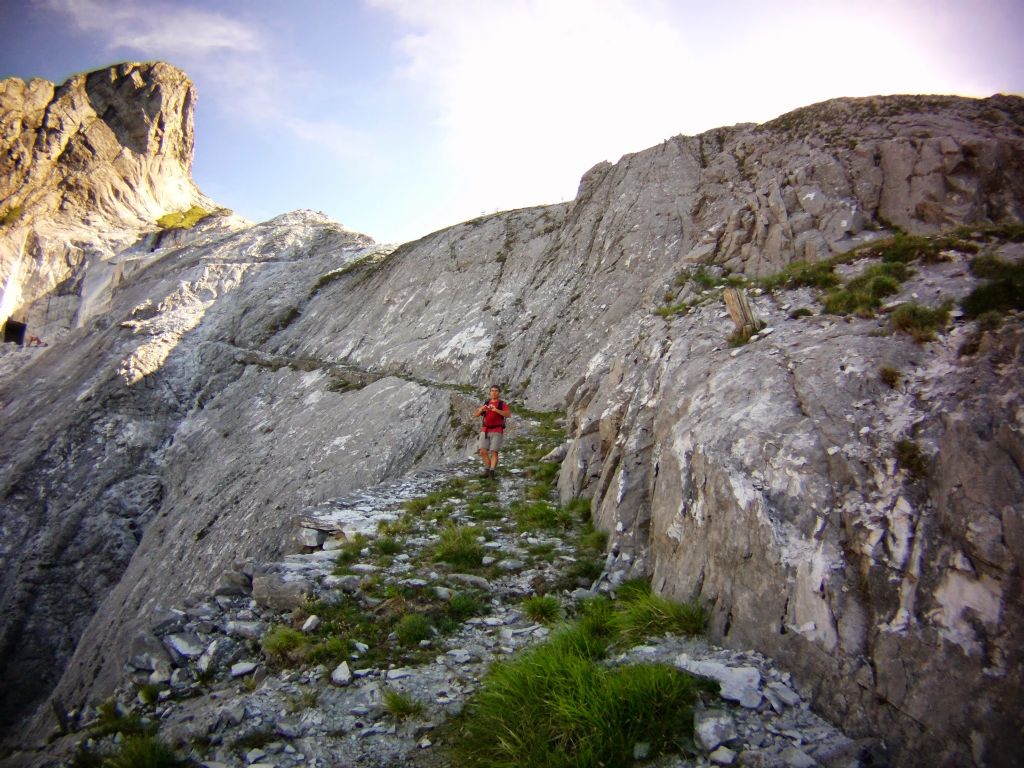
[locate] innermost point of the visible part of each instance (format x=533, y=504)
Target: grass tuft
x=10, y=216
x=542, y=608
x=890, y=376
x=556, y=706
x=911, y=458
x=351, y=550
x=113, y=719
x=540, y=515
x=919, y=321
x=649, y=615
x=413, y=628
x=401, y=706
x=1002, y=291
x=387, y=545
x=458, y=546
x=579, y=509
x=802, y=274
x=142, y=752
x=463, y=606
x=283, y=644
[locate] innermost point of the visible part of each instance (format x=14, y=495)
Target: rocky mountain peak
x=86, y=167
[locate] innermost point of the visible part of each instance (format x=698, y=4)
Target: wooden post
x=742, y=315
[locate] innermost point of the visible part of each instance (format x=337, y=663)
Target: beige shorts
x=491, y=441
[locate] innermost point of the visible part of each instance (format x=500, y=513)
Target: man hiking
x=492, y=432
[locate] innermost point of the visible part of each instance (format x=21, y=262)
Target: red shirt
x=494, y=422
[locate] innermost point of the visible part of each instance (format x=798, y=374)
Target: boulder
x=278, y=593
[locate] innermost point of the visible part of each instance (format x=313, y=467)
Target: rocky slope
x=237, y=373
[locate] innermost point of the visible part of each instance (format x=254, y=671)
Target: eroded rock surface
x=231, y=374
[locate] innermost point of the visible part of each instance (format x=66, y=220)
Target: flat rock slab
x=741, y=684
x=713, y=727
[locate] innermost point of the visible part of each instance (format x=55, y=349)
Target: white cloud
x=531, y=93
x=172, y=29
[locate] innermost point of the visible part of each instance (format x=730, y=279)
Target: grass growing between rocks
x=459, y=547
x=1002, y=291
x=132, y=752
x=558, y=705
x=183, y=219
x=112, y=719
x=862, y=295
x=911, y=458
x=920, y=322
x=401, y=706
x=544, y=609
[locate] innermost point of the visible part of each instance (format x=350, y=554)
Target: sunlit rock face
x=84, y=168
x=233, y=374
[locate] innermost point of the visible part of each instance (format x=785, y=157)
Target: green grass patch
x=906, y=248
x=350, y=551
x=463, y=606
x=416, y=506
x=920, y=322
x=459, y=547
x=583, y=572
x=556, y=706
x=633, y=589
x=540, y=515
x=844, y=302
x=112, y=718
x=149, y=693
x=183, y=219
x=879, y=280
x=592, y=538
x=483, y=505
x=578, y=508
x=332, y=650
x=649, y=615
x=142, y=752
x=401, y=706
x=388, y=545
x=540, y=490
x=284, y=645
x=544, y=551
x=799, y=312
x=679, y=309
x=413, y=628
x=800, y=274
x=401, y=526
x=1002, y=291
x=545, y=471
x=542, y=608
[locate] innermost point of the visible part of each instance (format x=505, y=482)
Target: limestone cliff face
x=763, y=482
x=211, y=399
x=84, y=168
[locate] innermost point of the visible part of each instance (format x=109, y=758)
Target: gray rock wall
x=765, y=483
x=207, y=398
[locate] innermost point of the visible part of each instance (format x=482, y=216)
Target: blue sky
x=399, y=117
